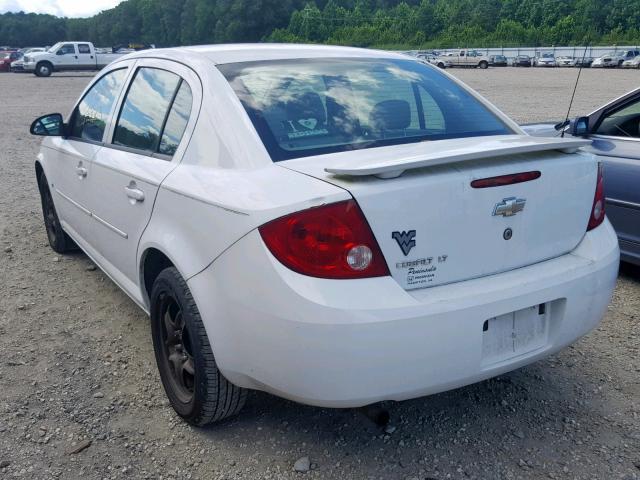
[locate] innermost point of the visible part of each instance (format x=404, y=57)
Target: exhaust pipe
x=378, y=415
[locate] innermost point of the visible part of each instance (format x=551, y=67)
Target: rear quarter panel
x=201, y=211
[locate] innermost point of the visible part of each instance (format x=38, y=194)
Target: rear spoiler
x=455, y=151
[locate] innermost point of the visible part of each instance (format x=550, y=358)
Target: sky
x=61, y=8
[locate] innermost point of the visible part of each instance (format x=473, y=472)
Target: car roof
x=248, y=52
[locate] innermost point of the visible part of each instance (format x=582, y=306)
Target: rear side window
x=84, y=48
x=176, y=121
x=89, y=119
x=147, y=109
x=307, y=107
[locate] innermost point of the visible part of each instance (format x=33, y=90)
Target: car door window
x=177, y=120
x=145, y=109
x=67, y=49
x=84, y=48
x=624, y=122
x=89, y=119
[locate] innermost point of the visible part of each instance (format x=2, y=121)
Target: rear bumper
x=352, y=343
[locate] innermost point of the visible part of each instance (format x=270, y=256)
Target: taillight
x=597, y=211
x=332, y=241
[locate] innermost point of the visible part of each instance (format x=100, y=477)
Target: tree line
x=367, y=23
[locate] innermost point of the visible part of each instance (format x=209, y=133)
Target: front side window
x=308, y=107
x=89, y=119
x=624, y=122
x=145, y=108
x=67, y=49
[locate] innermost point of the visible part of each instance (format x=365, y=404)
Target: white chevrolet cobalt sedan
x=335, y=226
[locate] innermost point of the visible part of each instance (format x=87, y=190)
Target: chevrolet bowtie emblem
x=508, y=207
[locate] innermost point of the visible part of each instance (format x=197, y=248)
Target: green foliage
x=378, y=23
x=460, y=23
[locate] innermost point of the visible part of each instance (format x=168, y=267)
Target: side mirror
x=580, y=127
x=51, y=125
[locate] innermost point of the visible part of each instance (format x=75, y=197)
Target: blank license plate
x=514, y=334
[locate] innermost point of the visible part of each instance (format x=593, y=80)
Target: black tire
x=441, y=65
x=483, y=65
x=58, y=239
x=195, y=387
x=43, y=69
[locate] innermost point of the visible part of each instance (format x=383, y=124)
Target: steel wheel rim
x=50, y=217
x=177, y=354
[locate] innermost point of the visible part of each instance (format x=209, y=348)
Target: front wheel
x=483, y=65
x=195, y=387
x=43, y=69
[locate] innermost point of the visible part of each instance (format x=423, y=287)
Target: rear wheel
x=483, y=65
x=58, y=239
x=195, y=387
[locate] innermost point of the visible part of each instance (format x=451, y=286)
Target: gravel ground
x=77, y=364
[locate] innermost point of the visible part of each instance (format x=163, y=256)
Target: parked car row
x=474, y=58
x=550, y=60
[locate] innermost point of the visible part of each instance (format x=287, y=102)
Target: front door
x=66, y=57
x=70, y=157
x=143, y=148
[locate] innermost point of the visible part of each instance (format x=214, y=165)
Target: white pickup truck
x=464, y=58
x=67, y=56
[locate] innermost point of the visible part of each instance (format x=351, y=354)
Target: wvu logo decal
x=406, y=240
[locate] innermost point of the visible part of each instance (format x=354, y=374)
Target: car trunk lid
x=435, y=228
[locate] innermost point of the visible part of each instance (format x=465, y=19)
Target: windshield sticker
x=304, y=127
x=308, y=133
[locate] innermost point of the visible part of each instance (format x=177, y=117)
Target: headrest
x=391, y=115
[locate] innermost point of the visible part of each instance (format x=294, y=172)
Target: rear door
x=144, y=144
x=86, y=57
x=69, y=159
x=617, y=142
x=462, y=60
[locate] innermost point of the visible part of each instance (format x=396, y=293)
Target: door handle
x=81, y=171
x=134, y=193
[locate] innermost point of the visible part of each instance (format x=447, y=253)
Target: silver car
x=615, y=131
x=545, y=60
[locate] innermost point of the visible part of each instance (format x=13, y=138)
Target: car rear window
x=308, y=107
